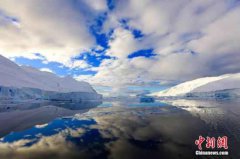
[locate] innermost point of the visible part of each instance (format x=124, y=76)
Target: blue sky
x=123, y=46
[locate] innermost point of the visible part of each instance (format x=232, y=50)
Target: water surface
x=118, y=129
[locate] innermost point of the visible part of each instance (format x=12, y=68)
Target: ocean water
x=118, y=129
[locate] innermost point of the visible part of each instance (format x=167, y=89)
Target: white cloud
x=46, y=70
x=118, y=73
x=78, y=64
x=56, y=29
x=122, y=43
x=222, y=36
x=98, y=5
x=83, y=77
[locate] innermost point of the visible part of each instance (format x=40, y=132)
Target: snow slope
x=12, y=75
x=203, y=85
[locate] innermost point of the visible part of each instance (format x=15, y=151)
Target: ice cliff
x=23, y=82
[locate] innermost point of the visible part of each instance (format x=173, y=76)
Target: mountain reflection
x=21, y=116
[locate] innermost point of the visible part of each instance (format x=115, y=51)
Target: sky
x=123, y=46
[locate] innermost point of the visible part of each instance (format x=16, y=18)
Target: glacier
x=18, y=94
x=220, y=87
x=27, y=83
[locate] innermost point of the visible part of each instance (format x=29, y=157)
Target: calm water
x=116, y=129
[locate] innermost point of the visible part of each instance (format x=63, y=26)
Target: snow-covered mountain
x=23, y=76
x=32, y=80
x=209, y=86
